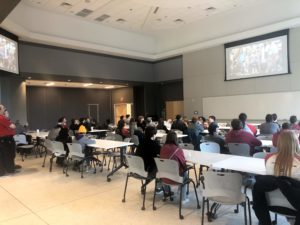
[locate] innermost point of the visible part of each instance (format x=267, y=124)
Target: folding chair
x=136, y=169
x=167, y=168
x=223, y=188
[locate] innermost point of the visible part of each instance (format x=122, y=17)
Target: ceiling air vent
x=210, y=8
x=65, y=4
x=178, y=21
x=103, y=17
x=120, y=20
x=84, y=12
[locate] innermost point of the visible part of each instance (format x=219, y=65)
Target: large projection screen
x=264, y=55
x=8, y=55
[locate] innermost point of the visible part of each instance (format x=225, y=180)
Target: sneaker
x=17, y=167
x=185, y=201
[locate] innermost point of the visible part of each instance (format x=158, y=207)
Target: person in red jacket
x=7, y=143
x=237, y=135
x=171, y=151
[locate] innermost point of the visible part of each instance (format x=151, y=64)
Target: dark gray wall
x=13, y=96
x=169, y=69
x=6, y=7
x=40, y=59
x=45, y=105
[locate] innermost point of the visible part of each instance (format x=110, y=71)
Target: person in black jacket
x=289, y=187
x=148, y=149
x=178, y=124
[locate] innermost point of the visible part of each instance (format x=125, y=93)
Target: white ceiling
x=143, y=16
x=148, y=29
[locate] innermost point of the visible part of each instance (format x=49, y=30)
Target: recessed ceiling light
x=50, y=84
x=87, y=85
x=109, y=87
x=29, y=78
x=178, y=21
x=69, y=80
x=100, y=82
x=210, y=8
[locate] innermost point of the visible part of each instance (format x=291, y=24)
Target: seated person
x=214, y=137
x=274, y=117
x=285, y=126
x=284, y=168
x=161, y=125
x=178, y=124
x=83, y=140
x=121, y=130
x=294, y=125
x=269, y=127
x=82, y=128
x=194, y=130
x=243, y=118
x=148, y=149
x=170, y=150
x=286, y=161
x=237, y=135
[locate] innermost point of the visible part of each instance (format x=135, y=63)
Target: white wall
x=204, y=73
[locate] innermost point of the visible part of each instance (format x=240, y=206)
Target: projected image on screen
x=8, y=55
x=261, y=58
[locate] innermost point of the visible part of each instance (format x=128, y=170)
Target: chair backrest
x=265, y=137
x=136, y=165
x=127, y=140
x=48, y=145
x=223, y=185
x=58, y=147
x=241, y=149
x=20, y=139
x=276, y=198
x=260, y=155
x=186, y=146
x=135, y=140
x=211, y=147
x=75, y=149
x=168, y=168
x=118, y=137
x=177, y=131
x=161, y=131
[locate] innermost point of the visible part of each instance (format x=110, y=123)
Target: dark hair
x=161, y=121
x=202, y=117
x=269, y=118
x=236, y=124
x=107, y=121
x=61, y=119
x=194, y=119
x=127, y=116
x=243, y=118
x=150, y=131
x=212, y=128
x=121, y=117
x=131, y=120
x=293, y=119
x=286, y=126
x=274, y=116
x=172, y=138
x=212, y=117
x=178, y=117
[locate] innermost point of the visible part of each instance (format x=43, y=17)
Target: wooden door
x=122, y=109
x=173, y=108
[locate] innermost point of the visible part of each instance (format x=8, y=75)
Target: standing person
x=141, y=123
x=293, y=121
x=7, y=143
x=127, y=119
x=178, y=124
x=274, y=116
